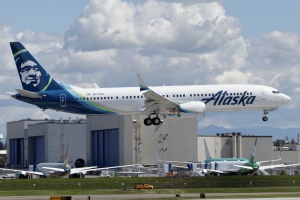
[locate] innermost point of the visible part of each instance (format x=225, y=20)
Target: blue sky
x=40, y=16
x=220, y=42
x=258, y=16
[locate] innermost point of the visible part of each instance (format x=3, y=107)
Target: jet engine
x=196, y=107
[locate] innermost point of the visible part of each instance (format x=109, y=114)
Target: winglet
x=143, y=85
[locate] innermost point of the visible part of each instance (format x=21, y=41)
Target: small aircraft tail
x=33, y=76
x=207, y=154
x=252, y=158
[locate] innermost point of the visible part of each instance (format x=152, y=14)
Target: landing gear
x=265, y=118
x=148, y=121
x=154, y=121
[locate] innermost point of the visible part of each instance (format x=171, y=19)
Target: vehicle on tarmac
x=143, y=186
x=9, y=176
x=104, y=176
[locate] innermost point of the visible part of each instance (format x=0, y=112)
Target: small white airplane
x=40, y=89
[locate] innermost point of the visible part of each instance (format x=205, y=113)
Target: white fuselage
x=130, y=100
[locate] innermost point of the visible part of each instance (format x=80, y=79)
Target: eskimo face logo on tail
x=30, y=74
x=223, y=98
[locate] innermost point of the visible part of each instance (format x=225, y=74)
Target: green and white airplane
x=242, y=166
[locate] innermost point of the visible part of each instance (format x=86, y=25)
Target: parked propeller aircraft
x=42, y=90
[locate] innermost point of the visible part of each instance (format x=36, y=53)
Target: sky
x=171, y=42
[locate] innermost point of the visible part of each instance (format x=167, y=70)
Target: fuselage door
x=263, y=94
x=63, y=100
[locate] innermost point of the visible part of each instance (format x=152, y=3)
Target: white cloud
x=234, y=77
x=169, y=25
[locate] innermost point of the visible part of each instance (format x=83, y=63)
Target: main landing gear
x=154, y=121
x=265, y=118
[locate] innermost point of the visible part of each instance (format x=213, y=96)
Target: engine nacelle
x=196, y=107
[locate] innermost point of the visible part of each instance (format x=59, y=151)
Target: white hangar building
x=101, y=140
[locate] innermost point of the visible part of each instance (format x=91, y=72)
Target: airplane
x=51, y=170
x=227, y=160
x=245, y=167
x=60, y=170
x=232, y=166
x=189, y=101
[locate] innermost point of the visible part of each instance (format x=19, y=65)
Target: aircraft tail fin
x=252, y=158
x=207, y=154
x=33, y=76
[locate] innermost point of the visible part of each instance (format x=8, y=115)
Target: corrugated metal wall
x=38, y=149
x=105, y=147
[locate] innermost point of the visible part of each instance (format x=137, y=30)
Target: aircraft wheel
x=156, y=121
x=148, y=121
x=265, y=119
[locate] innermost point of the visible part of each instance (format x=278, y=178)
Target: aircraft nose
x=285, y=98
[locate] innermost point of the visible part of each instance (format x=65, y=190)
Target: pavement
x=153, y=196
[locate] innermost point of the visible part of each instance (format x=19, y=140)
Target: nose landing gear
x=265, y=118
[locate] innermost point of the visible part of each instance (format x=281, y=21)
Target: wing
x=154, y=102
x=114, y=167
x=244, y=167
x=82, y=169
x=277, y=166
x=54, y=169
x=24, y=172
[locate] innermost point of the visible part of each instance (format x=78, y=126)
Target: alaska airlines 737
x=42, y=90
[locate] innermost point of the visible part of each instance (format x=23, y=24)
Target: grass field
x=94, y=186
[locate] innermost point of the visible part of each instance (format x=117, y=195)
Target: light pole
x=162, y=139
x=138, y=141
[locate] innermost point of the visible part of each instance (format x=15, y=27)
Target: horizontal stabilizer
x=25, y=93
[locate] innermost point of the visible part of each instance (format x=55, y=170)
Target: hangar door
x=36, y=150
x=105, y=147
x=16, y=151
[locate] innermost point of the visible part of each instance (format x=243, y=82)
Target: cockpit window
x=275, y=92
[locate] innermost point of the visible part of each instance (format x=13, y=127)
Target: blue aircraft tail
x=33, y=76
